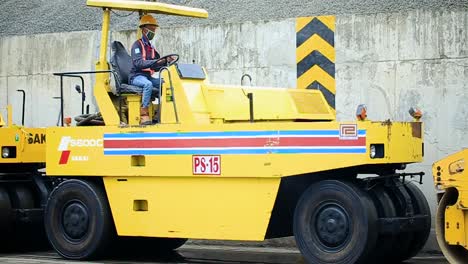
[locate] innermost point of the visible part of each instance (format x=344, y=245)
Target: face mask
x=150, y=34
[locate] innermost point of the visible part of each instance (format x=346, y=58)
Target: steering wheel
x=164, y=59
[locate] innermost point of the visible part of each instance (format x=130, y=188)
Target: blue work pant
x=147, y=84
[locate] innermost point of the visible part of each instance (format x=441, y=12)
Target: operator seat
x=122, y=64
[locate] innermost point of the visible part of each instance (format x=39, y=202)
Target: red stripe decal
x=64, y=157
x=234, y=142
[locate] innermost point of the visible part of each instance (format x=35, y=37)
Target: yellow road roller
x=451, y=179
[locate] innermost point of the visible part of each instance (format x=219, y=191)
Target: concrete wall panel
x=372, y=84
x=419, y=33
x=3, y=54
x=454, y=34
x=3, y=96
x=361, y=38
x=233, y=46
x=15, y=98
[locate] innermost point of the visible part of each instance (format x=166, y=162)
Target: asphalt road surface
x=192, y=254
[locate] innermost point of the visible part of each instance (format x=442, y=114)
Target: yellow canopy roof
x=149, y=7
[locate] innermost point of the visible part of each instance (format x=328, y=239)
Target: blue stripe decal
x=233, y=151
x=272, y=133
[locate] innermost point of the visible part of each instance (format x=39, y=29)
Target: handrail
x=24, y=104
x=172, y=92
x=76, y=75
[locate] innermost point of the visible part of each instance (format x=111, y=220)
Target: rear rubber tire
x=78, y=220
x=385, y=209
x=21, y=197
x=5, y=220
x=421, y=207
x=26, y=234
x=5, y=210
x=403, y=240
x=335, y=222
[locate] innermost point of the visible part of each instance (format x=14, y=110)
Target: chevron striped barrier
x=315, y=55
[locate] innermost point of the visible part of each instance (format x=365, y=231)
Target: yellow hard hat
x=148, y=20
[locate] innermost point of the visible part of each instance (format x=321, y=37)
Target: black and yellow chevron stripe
x=315, y=55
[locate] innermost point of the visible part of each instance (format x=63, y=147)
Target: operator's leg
x=155, y=82
x=156, y=85
x=147, y=85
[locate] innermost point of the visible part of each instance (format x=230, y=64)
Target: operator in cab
x=146, y=61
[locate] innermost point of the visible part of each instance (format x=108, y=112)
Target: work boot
x=144, y=117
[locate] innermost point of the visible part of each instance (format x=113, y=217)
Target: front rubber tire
x=78, y=220
x=335, y=222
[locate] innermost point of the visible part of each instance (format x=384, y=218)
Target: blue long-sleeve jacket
x=144, y=59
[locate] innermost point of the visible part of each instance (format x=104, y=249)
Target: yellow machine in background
x=232, y=163
x=451, y=176
x=23, y=192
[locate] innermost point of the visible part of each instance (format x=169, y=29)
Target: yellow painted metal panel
x=30, y=144
x=445, y=178
x=102, y=84
x=87, y=157
x=268, y=103
x=196, y=207
x=168, y=111
x=149, y=7
x=455, y=226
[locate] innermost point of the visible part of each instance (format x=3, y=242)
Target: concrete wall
x=388, y=61
x=28, y=63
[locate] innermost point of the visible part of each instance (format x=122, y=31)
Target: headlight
x=377, y=151
x=5, y=152
x=373, y=151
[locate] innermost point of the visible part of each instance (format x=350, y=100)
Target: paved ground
x=200, y=255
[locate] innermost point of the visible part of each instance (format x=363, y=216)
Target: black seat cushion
x=132, y=89
x=122, y=64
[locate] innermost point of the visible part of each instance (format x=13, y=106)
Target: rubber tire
x=421, y=207
x=27, y=236
x=5, y=210
x=361, y=213
x=403, y=240
x=21, y=197
x=5, y=220
x=385, y=208
x=100, y=228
